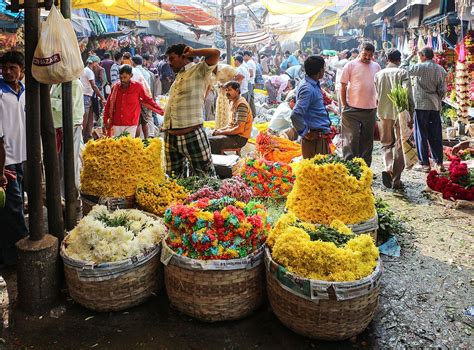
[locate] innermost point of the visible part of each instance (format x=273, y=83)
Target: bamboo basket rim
x=189, y=263
x=375, y=276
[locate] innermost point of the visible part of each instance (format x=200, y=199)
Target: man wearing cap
x=89, y=87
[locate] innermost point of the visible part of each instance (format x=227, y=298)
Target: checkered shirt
x=185, y=105
x=429, y=85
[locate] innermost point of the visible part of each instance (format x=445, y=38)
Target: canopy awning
x=191, y=15
x=134, y=10
x=383, y=5
x=252, y=38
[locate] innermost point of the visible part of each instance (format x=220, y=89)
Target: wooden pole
x=70, y=191
x=37, y=270
x=33, y=128
x=51, y=166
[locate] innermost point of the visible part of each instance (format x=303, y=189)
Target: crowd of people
x=118, y=92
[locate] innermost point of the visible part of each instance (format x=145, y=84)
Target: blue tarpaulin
x=13, y=15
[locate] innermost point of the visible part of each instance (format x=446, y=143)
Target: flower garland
x=458, y=183
x=211, y=229
x=277, y=149
x=114, y=167
x=314, y=256
x=104, y=236
x=328, y=188
x=156, y=197
x=268, y=179
x=234, y=187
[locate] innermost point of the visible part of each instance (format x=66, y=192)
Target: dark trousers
x=220, y=142
x=357, y=128
x=428, y=132
x=12, y=217
x=165, y=86
x=318, y=145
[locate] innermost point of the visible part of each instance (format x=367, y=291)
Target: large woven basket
x=217, y=290
x=369, y=227
x=320, y=309
x=113, y=286
x=88, y=202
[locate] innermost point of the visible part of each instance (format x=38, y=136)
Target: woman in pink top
x=359, y=105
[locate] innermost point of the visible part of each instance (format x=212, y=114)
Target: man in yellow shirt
x=237, y=132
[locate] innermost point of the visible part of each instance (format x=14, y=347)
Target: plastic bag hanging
x=57, y=58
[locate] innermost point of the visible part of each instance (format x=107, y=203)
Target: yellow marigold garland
x=328, y=192
x=114, y=167
x=156, y=197
x=292, y=248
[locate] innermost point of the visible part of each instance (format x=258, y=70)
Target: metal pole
x=33, y=128
x=70, y=191
x=51, y=166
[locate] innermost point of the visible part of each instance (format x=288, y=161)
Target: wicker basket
x=369, y=227
x=320, y=309
x=217, y=290
x=88, y=202
x=113, y=286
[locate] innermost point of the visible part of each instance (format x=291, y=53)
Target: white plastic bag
x=57, y=58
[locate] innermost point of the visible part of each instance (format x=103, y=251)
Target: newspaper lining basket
x=320, y=309
x=214, y=290
x=368, y=227
x=113, y=286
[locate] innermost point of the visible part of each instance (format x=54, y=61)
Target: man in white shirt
x=252, y=67
x=339, y=66
x=89, y=87
x=13, y=150
x=242, y=76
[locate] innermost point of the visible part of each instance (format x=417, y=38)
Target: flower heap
x=211, y=229
x=458, y=183
x=113, y=167
x=329, y=188
x=328, y=253
x=277, y=149
x=156, y=197
x=268, y=179
x=104, y=236
x=234, y=187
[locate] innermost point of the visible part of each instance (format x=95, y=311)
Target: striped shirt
x=429, y=85
x=185, y=107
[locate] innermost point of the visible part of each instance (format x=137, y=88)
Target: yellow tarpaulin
x=135, y=10
x=294, y=7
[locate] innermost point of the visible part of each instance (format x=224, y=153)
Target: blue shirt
x=294, y=71
x=310, y=112
x=292, y=60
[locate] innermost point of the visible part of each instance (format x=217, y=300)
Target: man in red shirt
x=122, y=110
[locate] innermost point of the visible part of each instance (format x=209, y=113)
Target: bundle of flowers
x=268, y=179
x=464, y=154
x=104, y=236
x=234, y=187
x=457, y=183
x=194, y=183
x=329, y=188
x=155, y=197
x=113, y=167
x=211, y=229
x=322, y=253
x=277, y=149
